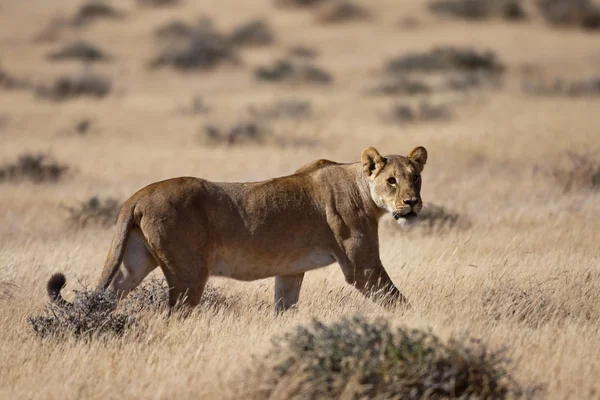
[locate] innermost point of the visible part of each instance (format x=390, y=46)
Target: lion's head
x=395, y=182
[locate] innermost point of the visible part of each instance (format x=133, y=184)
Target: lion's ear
x=419, y=155
x=372, y=162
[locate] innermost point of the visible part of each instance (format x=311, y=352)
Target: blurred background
x=98, y=99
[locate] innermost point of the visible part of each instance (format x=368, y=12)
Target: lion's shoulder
x=315, y=165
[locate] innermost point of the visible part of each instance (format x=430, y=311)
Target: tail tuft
x=54, y=286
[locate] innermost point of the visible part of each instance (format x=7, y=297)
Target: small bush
x=576, y=171
x=204, y=49
x=249, y=132
x=404, y=113
x=71, y=86
x=94, y=313
x=159, y=3
x=479, y=9
x=579, y=13
x=293, y=71
x=246, y=132
x=282, y=109
x=252, y=33
x=93, y=11
x=83, y=126
x=443, y=59
x=94, y=211
x=175, y=30
x=561, y=87
x=399, y=85
x=436, y=218
x=357, y=359
x=82, y=51
x=196, y=107
x=442, y=68
x=300, y=3
x=342, y=11
x=37, y=168
x=302, y=51
x=90, y=314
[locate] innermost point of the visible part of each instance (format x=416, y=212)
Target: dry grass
x=522, y=272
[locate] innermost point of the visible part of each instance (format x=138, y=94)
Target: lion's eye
x=391, y=180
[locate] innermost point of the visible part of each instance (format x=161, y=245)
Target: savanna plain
x=507, y=250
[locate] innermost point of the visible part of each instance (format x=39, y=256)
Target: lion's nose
x=411, y=202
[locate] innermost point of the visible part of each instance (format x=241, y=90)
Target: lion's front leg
x=364, y=270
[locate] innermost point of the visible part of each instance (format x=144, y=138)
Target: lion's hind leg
x=287, y=291
x=138, y=262
x=187, y=272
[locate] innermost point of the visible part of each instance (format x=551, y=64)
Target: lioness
x=325, y=212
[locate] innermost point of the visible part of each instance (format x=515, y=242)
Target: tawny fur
x=325, y=212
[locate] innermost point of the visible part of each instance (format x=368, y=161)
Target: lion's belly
x=252, y=266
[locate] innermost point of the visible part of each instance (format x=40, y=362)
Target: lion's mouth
x=408, y=216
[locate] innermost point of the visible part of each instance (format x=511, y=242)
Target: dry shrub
x=424, y=112
x=358, y=359
x=303, y=51
x=203, y=48
x=399, y=85
x=197, y=106
x=442, y=68
x=94, y=211
x=83, y=126
x=282, y=109
x=159, y=3
x=436, y=218
x=579, y=13
x=89, y=315
x=300, y=3
x=252, y=33
x=176, y=30
x=249, y=132
x=82, y=51
x=94, y=314
x=293, y=71
x=93, y=11
x=561, y=87
x=479, y=9
x=441, y=59
x=241, y=133
x=577, y=171
x=71, y=86
x=37, y=168
x=342, y=11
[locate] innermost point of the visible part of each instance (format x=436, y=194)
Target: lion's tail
x=112, y=263
x=117, y=247
x=54, y=286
